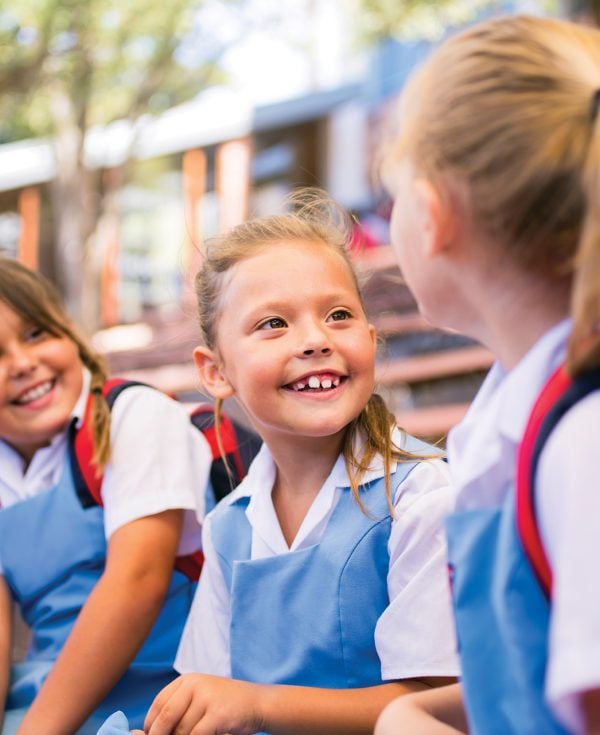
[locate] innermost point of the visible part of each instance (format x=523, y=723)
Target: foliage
x=110, y=59
x=426, y=19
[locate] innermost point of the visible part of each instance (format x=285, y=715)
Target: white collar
x=261, y=474
x=81, y=403
x=496, y=419
x=46, y=464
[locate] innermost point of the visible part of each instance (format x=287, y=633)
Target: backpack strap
x=560, y=393
x=87, y=480
x=240, y=446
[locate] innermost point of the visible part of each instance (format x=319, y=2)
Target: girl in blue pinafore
x=95, y=585
x=325, y=585
x=496, y=224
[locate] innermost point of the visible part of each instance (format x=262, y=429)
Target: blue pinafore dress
x=52, y=552
x=308, y=617
x=501, y=583
x=502, y=618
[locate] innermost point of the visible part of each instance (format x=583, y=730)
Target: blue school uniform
x=502, y=614
x=502, y=619
x=308, y=617
x=52, y=553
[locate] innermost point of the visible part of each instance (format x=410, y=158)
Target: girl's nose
x=319, y=351
x=21, y=361
x=315, y=341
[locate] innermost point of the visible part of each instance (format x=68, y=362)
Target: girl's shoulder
x=149, y=410
x=428, y=481
x=414, y=445
x=572, y=446
x=143, y=398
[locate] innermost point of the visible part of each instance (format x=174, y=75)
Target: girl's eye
x=273, y=323
x=34, y=333
x=339, y=315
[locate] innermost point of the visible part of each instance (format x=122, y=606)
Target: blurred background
x=132, y=130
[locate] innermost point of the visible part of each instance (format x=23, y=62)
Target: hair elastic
x=96, y=390
x=595, y=105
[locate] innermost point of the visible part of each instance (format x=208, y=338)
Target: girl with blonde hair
x=324, y=591
x=495, y=172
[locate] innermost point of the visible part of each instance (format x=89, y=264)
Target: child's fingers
x=159, y=701
x=170, y=710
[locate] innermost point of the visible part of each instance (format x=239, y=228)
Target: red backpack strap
x=88, y=483
x=559, y=394
x=240, y=446
x=527, y=525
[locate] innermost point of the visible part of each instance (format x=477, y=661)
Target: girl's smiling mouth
x=35, y=393
x=316, y=382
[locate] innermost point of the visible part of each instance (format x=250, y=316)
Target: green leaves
x=110, y=59
x=420, y=19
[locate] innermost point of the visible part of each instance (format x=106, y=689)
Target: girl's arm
x=112, y=624
x=208, y=704
x=436, y=712
x=6, y=634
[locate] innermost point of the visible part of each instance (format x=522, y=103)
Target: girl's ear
x=439, y=217
x=211, y=375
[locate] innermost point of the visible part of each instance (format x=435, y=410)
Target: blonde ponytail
x=584, y=346
x=100, y=415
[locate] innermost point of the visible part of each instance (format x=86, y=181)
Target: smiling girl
x=324, y=592
x=91, y=582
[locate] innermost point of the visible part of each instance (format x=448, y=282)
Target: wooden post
x=109, y=234
x=233, y=181
x=29, y=241
x=194, y=188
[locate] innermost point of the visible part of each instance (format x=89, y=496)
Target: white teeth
x=317, y=383
x=35, y=393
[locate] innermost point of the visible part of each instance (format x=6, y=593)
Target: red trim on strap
x=527, y=524
x=229, y=439
x=190, y=565
x=84, y=444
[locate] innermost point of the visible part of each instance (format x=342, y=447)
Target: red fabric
x=527, y=524
x=84, y=445
x=190, y=565
x=228, y=437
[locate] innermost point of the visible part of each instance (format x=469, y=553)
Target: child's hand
x=205, y=704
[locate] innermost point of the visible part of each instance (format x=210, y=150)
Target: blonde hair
x=315, y=218
x=37, y=302
x=510, y=107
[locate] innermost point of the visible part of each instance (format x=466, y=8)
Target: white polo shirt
x=159, y=461
x=482, y=455
x=414, y=636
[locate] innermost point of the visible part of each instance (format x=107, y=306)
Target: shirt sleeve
x=567, y=495
x=415, y=636
x=204, y=644
x=159, y=461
